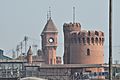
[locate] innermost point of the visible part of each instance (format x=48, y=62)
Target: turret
x=87, y=37
x=71, y=27
x=49, y=37
x=67, y=28
x=29, y=56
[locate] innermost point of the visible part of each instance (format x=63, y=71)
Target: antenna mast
x=25, y=39
x=49, y=12
x=73, y=14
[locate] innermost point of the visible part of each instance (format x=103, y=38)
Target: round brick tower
x=67, y=28
x=86, y=47
x=83, y=47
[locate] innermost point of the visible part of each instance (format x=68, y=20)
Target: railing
x=11, y=73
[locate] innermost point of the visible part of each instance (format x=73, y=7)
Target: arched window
x=102, y=34
x=92, y=39
x=96, y=33
x=88, y=52
x=100, y=40
x=96, y=40
x=88, y=33
x=88, y=40
x=83, y=40
x=50, y=61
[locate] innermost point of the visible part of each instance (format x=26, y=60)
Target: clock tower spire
x=49, y=37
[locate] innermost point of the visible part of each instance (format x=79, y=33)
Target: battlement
x=72, y=27
x=87, y=37
x=87, y=33
x=82, y=46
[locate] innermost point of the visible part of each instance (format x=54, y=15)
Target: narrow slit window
x=88, y=52
x=88, y=40
x=92, y=39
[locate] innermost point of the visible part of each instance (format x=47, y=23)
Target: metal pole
x=25, y=39
x=110, y=39
x=73, y=14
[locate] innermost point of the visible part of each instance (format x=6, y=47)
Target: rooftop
x=49, y=27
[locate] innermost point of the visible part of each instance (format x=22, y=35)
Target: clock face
x=51, y=40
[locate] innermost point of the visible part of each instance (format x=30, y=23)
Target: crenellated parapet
x=87, y=37
x=82, y=46
x=71, y=27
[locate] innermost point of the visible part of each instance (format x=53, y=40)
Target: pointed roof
x=49, y=27
x=29, y=51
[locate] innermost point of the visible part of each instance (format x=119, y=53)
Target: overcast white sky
x=28, y=17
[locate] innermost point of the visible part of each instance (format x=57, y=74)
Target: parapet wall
x=71, y=27
x=82, y=46
x=86, y=47
x=87, y=37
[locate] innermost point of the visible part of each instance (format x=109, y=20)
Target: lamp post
x=110, y=39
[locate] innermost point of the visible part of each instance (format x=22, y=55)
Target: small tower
x=49, y=37
x=29, y=56
x=67, y=28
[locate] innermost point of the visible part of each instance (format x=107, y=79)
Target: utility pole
x=110, y=39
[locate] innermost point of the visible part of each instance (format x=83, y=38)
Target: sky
x=19, y=18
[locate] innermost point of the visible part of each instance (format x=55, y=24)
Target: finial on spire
x=73, y=14
x=49, y=12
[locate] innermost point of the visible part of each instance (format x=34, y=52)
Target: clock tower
x=49, y=37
